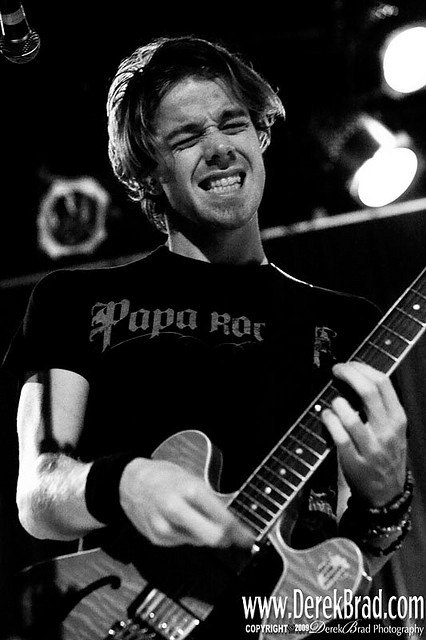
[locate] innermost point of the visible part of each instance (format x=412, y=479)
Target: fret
x=410, y=315
x=251, y=509
x=320, y=443
x=267, y=476
x=398, y=335
x=376, y=357
x=318, y=437
x=333, y=390
x=418, y=293
x=315, y=414
x=251, y=505
x=316, y=409
x=288, y=474
x=291, y=483
x=420, y=284
x=329, y=394
x=306, y=438
x=403, y=324
x=308, y=456
x=298, y=464
x=389, y=341
x=321, y=405
x=269, y=493
x=259, y=502
x=415, y=306
x=383, y=351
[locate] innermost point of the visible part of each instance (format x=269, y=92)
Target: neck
x=236, y=246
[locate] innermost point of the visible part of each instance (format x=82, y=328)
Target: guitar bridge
x=122, y=630
x=158, y=617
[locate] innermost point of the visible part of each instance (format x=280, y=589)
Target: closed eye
x=235, y=126
x=185, y=143
x=230, y=127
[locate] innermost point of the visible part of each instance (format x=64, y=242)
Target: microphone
x=18, y=42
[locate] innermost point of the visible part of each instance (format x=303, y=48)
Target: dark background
x=322, y=55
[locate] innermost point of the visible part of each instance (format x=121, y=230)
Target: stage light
x=403, y=59
x=376, y=165
x=384, y=177
x=383, y=164
x=71, y=218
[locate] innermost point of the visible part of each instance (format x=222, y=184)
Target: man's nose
x=219, y=151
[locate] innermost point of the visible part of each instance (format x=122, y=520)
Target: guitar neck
x=284, y=472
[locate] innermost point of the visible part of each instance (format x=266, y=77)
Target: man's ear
x=153, y=186
x=264, y=139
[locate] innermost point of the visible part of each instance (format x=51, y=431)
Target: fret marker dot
x=299, y=451
x=317, y=408
x=416, y=307
x=254, y=506
x=388, y=342
x=282, y=472
x=268, y=489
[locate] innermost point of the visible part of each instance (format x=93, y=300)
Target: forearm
x=51, y=498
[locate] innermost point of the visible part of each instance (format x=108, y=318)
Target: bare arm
x=165, y=503
x=51, y=486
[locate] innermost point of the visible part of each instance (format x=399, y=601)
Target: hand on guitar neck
x=373, y=452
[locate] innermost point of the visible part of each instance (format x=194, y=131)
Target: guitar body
x=77, y=596
x=95, y=596
x=332, y=570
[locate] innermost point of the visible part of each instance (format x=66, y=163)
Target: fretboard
x=284, y=472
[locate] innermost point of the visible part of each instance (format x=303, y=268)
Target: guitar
x=98, y=596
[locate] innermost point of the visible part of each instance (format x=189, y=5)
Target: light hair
x=142, y=80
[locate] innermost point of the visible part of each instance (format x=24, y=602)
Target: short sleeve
x=53, y=331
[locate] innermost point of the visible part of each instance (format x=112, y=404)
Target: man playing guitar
x=204, y=333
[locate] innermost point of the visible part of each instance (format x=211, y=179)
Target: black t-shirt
x=168, y=343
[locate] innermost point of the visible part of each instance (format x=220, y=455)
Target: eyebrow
x=194, y=127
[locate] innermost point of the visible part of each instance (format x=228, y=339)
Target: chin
x=231, y=223
x=220, y=218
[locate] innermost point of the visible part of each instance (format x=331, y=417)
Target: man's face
x=210, y=164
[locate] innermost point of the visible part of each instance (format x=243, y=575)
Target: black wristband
x=372, y=527
x=102, y=487
x=388, y=514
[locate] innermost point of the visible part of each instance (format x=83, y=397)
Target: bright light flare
x=384, y=177
x=404, y=60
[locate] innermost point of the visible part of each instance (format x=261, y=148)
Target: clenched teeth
x=223, y=185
